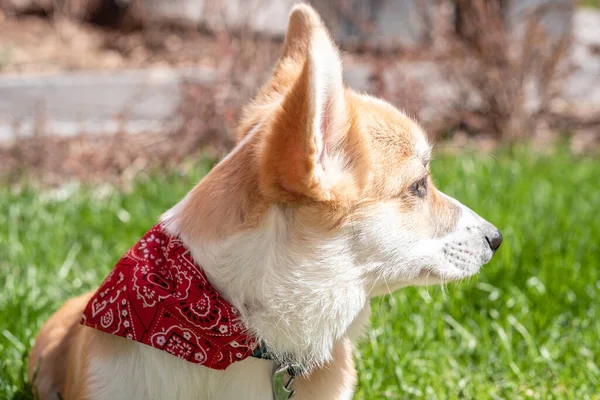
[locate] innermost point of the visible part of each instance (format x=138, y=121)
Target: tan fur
x=58, y=357
x=216, y=210
x=332, y=381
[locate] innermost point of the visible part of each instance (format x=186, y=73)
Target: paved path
x=92, y=102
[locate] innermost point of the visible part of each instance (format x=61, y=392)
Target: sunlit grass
x=526, y=327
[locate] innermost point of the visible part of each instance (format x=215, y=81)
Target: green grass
x=591, y=3
x=526, y=327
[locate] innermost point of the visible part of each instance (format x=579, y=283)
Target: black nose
x=494, y=240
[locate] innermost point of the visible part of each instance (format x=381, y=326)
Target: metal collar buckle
x=282, y=375
x=282, y=380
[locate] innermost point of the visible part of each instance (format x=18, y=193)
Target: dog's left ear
x=303, y=154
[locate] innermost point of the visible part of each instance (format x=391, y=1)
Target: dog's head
x=326, y=199
x=357, y=164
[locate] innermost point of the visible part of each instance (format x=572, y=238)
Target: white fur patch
x=296, y=288
x=138, y=371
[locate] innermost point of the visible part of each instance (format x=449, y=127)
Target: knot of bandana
x=159, y=296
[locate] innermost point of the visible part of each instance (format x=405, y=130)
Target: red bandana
x=158, y=295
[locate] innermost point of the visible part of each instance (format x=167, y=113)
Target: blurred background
x=110, y=110
x=71, y=70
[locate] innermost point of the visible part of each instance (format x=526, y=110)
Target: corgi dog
x=325, y=202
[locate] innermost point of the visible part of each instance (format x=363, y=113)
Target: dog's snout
x=494, y=239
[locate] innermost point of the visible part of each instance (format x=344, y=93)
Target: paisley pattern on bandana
x=159, y=296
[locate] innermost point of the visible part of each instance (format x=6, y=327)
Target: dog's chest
x=142, y=372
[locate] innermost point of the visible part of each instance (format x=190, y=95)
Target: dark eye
x=419, y=188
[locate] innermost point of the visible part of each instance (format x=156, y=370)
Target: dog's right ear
x=302, y=25
x=303, y=21
x=304, y=154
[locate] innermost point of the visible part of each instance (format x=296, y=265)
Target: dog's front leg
x=335, y=380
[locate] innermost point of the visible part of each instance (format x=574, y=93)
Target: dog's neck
x=296, y=288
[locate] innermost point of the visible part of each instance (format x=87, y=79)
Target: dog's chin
x=426, y=277
x=443, y=270
x=445, y=273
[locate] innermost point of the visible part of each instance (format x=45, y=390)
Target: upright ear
x=303, y=152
